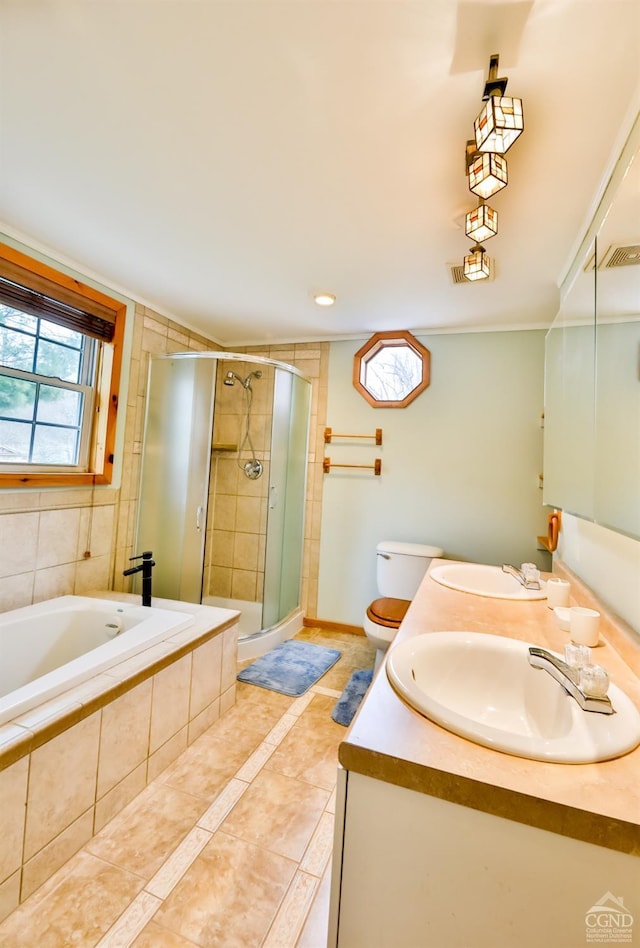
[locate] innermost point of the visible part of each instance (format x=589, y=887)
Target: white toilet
x=400, y=568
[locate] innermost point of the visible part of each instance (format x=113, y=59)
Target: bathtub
x=117, y=692
x=49, y=647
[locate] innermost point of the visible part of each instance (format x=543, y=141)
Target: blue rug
x=290, y=668
x=351, y=697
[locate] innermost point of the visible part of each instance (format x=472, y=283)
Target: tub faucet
x=568, y=678
x=145, y=568
x=528, y=575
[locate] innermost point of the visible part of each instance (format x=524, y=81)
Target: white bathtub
x=52, y=646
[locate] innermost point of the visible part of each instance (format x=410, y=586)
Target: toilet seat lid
x=388, y=612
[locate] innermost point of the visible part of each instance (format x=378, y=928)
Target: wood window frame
x=382, y=340
x=107, y=386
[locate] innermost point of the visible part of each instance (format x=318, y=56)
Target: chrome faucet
x=145, y=567
x=528, y=575
x=568, y=677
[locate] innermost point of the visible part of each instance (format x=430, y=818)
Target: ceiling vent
x=620, y=257
x=616, y=256
x=456, y=271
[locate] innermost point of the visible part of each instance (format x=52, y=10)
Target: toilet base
x=380, y=637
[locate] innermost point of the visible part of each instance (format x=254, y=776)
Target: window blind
x=35, y=294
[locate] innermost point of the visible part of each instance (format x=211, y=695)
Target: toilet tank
x=401, y=567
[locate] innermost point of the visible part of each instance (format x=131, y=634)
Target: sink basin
x=483, y=580
x=482, y=687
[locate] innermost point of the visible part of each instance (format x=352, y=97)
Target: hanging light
x=486, y=171
x=477, y=265
x=501, y=119
x=481, y=223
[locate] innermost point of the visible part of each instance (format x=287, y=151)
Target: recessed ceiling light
x=324, y=299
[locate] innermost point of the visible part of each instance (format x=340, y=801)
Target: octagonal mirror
x=391, y=369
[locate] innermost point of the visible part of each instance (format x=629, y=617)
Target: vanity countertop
x=388, y=740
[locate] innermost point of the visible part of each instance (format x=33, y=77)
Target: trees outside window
x=391, y=369
x=60, y=360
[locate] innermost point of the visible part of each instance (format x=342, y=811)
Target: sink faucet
x=568, y=678
x=528, y=575
x=145, y=567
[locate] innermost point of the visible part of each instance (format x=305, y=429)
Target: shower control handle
x=199, y=511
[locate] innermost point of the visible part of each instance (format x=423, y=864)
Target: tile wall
x=312, y=358
x=60, y=795
x=237, y=514
x=48, y=534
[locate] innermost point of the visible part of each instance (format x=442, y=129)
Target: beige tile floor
x=229, y=846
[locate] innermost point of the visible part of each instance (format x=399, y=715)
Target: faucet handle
x=142, y=556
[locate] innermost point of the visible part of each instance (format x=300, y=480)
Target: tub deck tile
x=259, y=878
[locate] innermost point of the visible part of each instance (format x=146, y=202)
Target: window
x=60, y=357
x=391, y=369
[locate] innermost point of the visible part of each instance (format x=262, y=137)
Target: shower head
x=231, y=378
x=256, y=375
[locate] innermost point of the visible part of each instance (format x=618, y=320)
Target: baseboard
x=332, y=626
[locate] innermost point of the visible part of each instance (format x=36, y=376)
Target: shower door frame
x=215, y=381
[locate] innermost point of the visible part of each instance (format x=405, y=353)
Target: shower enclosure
x=222, y=487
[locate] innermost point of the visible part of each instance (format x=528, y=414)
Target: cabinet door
x=420, y=872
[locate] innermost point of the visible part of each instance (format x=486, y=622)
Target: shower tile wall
x=47, y=534
x=312, y=358
x=237, y=513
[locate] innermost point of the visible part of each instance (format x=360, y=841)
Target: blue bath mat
x=351, y=697
x=290, y=668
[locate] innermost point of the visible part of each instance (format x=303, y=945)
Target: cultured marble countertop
x=388, y=740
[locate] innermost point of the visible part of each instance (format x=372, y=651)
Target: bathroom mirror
x=617, y=388
x=569, y=429
x=592, y=366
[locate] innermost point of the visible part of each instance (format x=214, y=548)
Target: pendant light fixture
x=481, y=223
x=486, y=171
x=477, y=265
x=499, y=123
x=501, y=119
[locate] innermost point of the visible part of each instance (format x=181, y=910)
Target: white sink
x=482, y=688
x=483, y=580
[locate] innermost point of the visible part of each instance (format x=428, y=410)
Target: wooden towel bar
x=376, y=467
x=329, y=434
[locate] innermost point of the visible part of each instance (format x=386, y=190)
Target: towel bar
x=329, y=434
x=376, y=467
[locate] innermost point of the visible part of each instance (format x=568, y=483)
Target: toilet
x=400, y=568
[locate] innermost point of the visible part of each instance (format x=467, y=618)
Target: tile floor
x=229, y=846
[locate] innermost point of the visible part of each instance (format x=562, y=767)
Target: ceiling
x=222, y=160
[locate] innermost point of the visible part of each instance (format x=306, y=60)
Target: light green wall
x=460, y=465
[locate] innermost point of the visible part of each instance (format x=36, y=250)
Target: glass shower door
x=285, y=526
x=175, y=473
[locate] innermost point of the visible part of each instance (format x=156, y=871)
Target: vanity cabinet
x=421, y=872
x=442, y=843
